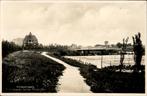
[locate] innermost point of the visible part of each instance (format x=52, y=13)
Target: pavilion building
x=30, y=41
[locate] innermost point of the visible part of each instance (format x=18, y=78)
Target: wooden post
x=101, y=61
x=110, y=63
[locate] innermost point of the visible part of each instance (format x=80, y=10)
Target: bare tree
x=123, y=52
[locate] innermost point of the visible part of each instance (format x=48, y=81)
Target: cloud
x=80, y=23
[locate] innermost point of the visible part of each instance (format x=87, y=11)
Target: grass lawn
x=28, y=71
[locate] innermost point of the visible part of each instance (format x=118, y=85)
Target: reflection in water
x=71, y=81
x=107, y=60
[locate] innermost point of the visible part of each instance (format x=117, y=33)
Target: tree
x=123, y=52
x=9, y=47
x=119, y=45
x=138, y=51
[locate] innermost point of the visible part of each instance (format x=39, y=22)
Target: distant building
x=106, y=43
x=30, y=41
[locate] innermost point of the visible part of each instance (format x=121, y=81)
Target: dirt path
x=71, y=81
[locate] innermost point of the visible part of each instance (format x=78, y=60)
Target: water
x=105, y=60
x=71, y=81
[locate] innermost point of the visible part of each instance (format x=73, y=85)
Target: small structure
x=30, y=41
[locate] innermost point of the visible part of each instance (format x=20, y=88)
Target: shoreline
x=107, y=80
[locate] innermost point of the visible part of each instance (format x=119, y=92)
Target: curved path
x=71, y=81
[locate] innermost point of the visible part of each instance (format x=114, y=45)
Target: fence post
x=110, y=63
x=101, y=61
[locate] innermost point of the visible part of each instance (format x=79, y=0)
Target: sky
x=82, y=23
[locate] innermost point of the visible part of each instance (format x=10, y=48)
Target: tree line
x=62, y=50
x=9, y=47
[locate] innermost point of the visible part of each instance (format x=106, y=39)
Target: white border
x=68, y=94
